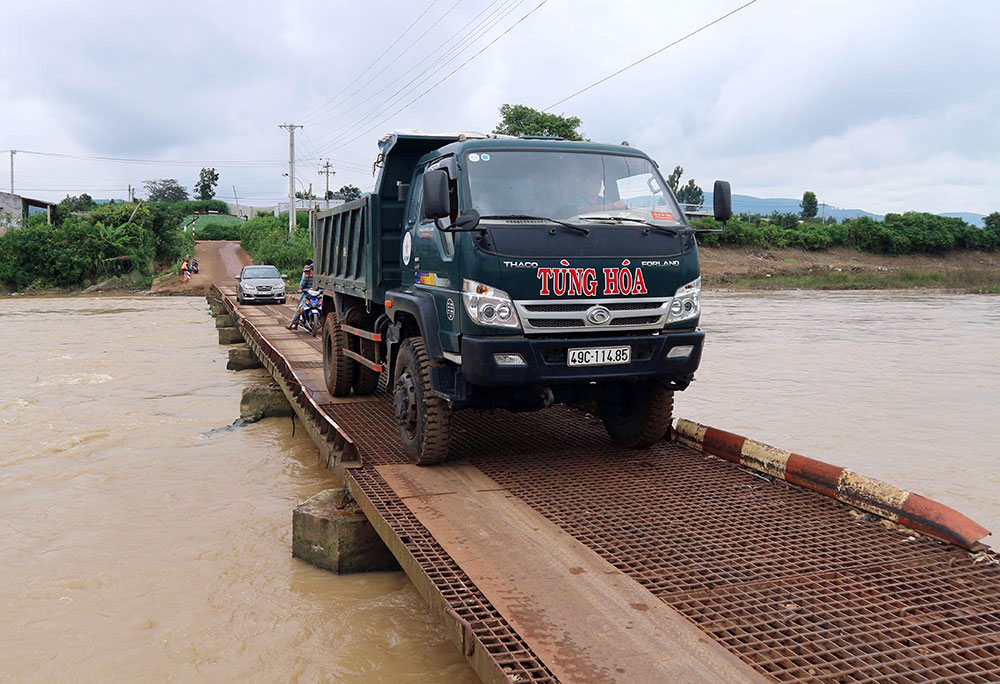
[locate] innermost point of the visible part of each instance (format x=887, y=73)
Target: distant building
x=17, y=207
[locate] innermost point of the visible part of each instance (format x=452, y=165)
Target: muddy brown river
x=144, y=540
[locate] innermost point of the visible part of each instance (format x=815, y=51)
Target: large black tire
x=638, y=415
x=365, y=380
x=337, y=368
x=424, y=419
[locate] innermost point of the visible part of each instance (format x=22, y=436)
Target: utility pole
x=12, y=153
x=291, y=175
x=327, y=170
x=238, y=207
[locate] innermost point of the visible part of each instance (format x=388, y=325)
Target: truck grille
x=583, y=306
x=571, y=316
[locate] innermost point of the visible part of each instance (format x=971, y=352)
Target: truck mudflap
x=545, y=360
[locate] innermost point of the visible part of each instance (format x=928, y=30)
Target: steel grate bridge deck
x=797, y=585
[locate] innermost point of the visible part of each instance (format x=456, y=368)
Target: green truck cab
x=492, y=272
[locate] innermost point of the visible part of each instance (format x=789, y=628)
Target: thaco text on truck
x=490, y=272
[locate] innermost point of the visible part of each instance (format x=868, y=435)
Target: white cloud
x=885, y=106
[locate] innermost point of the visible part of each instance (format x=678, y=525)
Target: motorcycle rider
x=305, y=283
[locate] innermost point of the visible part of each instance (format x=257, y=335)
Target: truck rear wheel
x=638, y=415
x=424, y=419
x=337, y=368
x=365, y=379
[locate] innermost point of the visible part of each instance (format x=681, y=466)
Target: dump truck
x=494, y=272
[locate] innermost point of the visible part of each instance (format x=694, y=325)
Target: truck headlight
x=489, y=306
x=686, y=303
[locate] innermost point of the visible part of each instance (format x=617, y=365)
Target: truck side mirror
x=722, y=201
x=402, y=190
x=436, y=198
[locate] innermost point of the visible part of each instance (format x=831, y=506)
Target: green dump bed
x=353, y=255
x=356, y=246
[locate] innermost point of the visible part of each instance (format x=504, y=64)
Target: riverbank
x=847, y=269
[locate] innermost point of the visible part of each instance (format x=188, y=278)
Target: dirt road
x=218, y=262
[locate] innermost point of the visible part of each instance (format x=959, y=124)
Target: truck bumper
x=545, y=359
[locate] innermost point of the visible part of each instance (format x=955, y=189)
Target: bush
x=266, y=239
x=220, y=231
x=909, y=233
x=78, y=251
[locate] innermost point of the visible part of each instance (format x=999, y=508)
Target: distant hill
x=745, y=204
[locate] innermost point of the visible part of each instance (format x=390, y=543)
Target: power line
x=249, y=163
x=377, y=59
x=395, y=59
x=494, y=18
x=652, y=54
x=333, y=146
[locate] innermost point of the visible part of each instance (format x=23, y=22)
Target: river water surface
x=141, y=543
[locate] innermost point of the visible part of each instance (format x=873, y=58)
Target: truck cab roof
x=459, y=147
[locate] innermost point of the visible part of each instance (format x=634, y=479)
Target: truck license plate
x=599, y=356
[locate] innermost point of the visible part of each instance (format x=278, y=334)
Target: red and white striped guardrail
x=898, y=505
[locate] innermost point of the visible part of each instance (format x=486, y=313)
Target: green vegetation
x=809, y=204
x=213, y=229
x=909, y=233
x=267, y=241
x=90, y=242
x=165, y=190
x=687, y=194
x=523, y=120
x=204, y=189
x=346, y=193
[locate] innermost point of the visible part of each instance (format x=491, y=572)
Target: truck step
x=375, y=337
x=377, y=367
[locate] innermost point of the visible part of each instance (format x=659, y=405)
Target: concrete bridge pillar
x=337, y=539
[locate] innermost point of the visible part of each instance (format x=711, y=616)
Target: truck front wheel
x=424, y=419
x=638, y=415
x=337, y=367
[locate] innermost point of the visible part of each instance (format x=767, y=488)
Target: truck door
x=428, y=255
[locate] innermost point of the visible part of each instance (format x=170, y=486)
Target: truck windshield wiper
x=662, y=229
x=525, y=217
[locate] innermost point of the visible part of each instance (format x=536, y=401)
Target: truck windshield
x=568, y=186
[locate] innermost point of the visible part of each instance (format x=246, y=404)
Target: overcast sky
x=880, y=105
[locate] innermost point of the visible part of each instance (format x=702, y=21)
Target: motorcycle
x=194, y=265
x=311, y=318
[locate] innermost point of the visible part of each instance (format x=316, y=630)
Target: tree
x=523, y=120
x=809, y=204
x=305, y=195
x=675, y=177
x=691, y=194
x=688, y=194
x=346, y=193
x=165, y=190
x=204, y=189
x=69, y=205
x=992, y=222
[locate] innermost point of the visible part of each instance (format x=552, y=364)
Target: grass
x=974, y=281
x=202, y=219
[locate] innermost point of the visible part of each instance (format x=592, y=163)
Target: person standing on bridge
x=305, y=283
